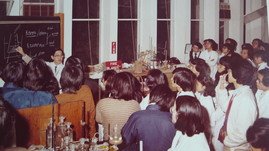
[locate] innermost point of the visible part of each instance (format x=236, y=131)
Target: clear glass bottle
x=60, y=132
x=82, y=146
x=66, y=144
x=69, y=131
x=49, y=133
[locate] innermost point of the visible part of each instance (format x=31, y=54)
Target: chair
x=38, y=119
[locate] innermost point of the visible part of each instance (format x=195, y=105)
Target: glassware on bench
x=49, y=133
x=115, y=137
x=60, y=132
x=69, y=131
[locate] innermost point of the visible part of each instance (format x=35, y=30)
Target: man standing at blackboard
x=56, y=66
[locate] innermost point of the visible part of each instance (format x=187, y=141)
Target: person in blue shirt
x=39, y=87
x=152, y=126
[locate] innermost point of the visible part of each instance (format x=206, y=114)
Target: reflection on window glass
x=195, y=31
x=127, y=41
x=163, y=39
x=85, y=41
x=163, y=9
x=127, y=8
x=86, y=9
x=195, y=9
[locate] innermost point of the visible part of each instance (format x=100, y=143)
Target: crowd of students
x=221, y=100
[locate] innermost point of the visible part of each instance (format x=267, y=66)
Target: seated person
x=190, y=121
x=261, y=59
x=258, y=135
x=106, y=82
x=124, y=101
x=74, y=90
x=153, y=126
x=39, y=84
x=155, y=77
x=13, y=75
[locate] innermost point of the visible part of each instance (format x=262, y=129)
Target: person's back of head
x=71, y=79
x=155, y=77
x=258, y=134
x=232, y=43
x=125, y=86
x=39, y=77
x=184, y=78
x=74, y=61
x=192, y=118
x=13, y=73
x=163, y=96
x=201, y=67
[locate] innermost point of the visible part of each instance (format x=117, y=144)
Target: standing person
x=124, y=101
x=257, y=44
x=247, y=53
x=73, y=90
x=152, y=126
x=262, y=95
x=211, y=56
x=155, y=77
x=56, y=65
x=258, y=135
x=241, y=109
x=226, y=50
x=190, y=120
x=196, y=50
x=183, y=80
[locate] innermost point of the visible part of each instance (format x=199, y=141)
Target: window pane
x=40, y=1
x=86, y=8
x=127, y=9
x=3, y=8
x=196, y=9
x=163, y=39
x=163, y=9
x=195, y=31
x=85, y=41
x=127, y=39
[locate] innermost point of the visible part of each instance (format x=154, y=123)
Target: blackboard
x=38, y=36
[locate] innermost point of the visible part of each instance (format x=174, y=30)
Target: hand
x=223, y=83
x=20, y=50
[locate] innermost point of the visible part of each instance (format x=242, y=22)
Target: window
x=85, y=32
x=38, y=8
x=163, y=29
x=127, y=30
x=197, y=20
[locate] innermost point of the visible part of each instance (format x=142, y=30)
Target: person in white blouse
x=260, y=59
x=56, y=65
x=191, y=124
x=155, y=77
x=247, y=53
x=241, y=109
x=262, y=95
x=183, y=80
x=211, y=56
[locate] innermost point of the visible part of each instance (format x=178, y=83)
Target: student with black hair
x=241, y=110
x=183, y=80
x=153, y=126
x=262, y=95
x=226, y=50
x=154, y=78
x=196, y=50
x=261, y=59
x=191, y=122
x=258, y=135
x=199, y=67
x=232, y=43
x=247, y=53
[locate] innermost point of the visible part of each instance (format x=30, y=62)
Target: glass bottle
x=49, y=133
x=60, y=132
x=82, y=146
x=69, y=131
